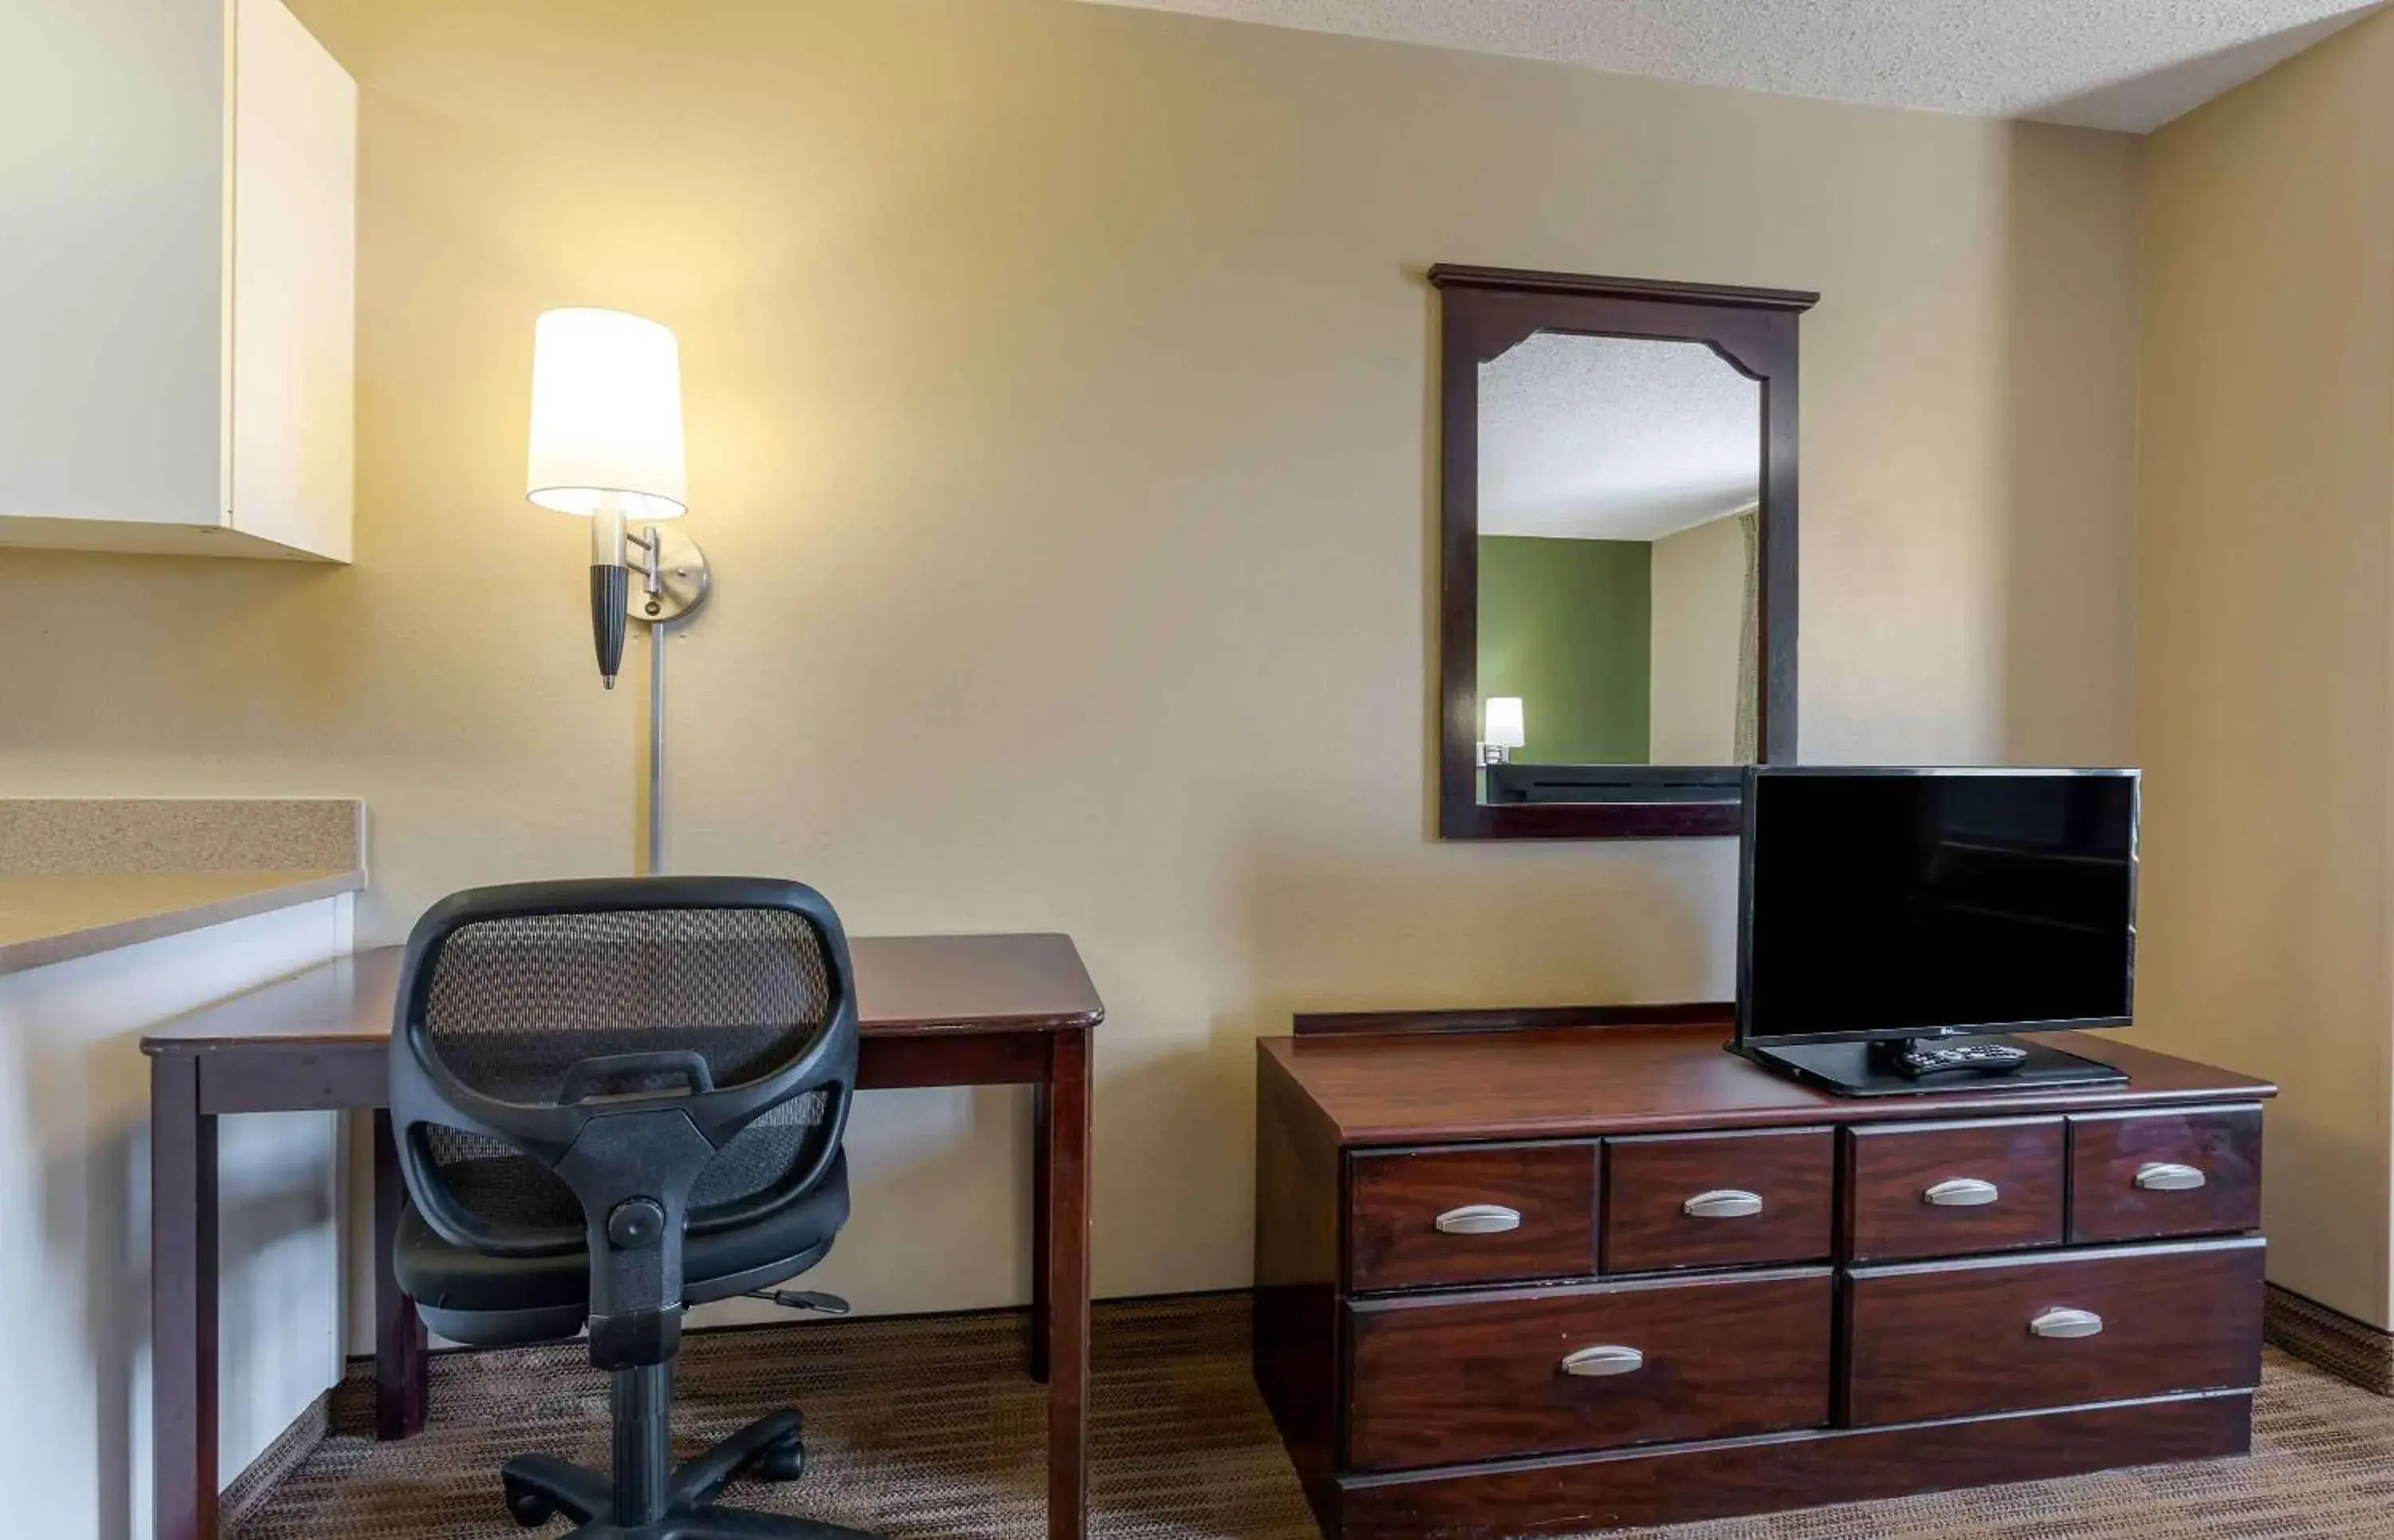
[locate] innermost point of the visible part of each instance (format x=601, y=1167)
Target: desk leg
x=182, y=1301
x=402, y=1361
x=1043, y=1235
x=1061, y=1286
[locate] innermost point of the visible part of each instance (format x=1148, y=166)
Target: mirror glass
x=1619, y=492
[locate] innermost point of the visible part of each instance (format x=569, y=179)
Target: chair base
x=540, y=1487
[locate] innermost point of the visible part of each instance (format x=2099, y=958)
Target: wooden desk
x=933, y=1010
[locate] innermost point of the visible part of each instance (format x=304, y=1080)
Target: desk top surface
x=1435, y=1088
x=905, y=986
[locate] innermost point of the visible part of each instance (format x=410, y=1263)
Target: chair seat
x=496, y=1301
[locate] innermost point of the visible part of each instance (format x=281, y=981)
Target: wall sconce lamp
x=1504, y=731
x=606, y=445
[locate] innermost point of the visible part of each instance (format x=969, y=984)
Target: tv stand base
x=1926, y=1067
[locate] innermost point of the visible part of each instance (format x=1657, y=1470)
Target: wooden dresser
x=1568, y=1277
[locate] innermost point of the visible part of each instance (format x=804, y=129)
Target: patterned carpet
x=927, y=1426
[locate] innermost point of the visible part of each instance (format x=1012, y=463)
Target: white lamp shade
x=1505, y=727
x=605, y=416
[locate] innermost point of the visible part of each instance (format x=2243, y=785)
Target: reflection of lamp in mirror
x=1504, y=731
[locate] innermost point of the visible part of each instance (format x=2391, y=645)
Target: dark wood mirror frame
x=1485, y=312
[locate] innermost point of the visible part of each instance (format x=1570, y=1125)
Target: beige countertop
x=50, y=917
x=80, y=875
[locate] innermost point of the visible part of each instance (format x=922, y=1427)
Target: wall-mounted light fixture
x=606, y=445
x=1504, y=731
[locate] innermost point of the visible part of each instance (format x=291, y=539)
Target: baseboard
x=2349, y=1349
x=258, y=1480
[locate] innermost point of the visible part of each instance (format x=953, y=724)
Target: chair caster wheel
x=529, y=1508
x=784, y=1460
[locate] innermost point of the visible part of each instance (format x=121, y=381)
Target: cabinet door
x=111, y=273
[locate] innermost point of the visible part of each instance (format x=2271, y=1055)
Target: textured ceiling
x=2124, y=64
x=1613, y=438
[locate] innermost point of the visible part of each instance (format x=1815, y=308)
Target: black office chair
x=615, y=1098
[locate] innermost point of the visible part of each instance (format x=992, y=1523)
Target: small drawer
x=1442, y=1379
x=1482, y=1214
x=1718, y=1200
x=1954, y=1339
x=1948, y=1189
x=2135, y=1176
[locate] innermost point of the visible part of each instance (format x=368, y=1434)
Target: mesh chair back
x=529, y=1006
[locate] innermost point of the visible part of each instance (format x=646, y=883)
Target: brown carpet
x=927, y=1427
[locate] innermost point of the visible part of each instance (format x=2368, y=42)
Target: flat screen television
x=1896, y=925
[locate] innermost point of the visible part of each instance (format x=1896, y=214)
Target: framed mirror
x=1617, y=552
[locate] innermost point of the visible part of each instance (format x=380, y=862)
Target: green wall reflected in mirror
x=1567, y=626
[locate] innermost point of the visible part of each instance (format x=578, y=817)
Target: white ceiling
x=1590, y=438
x=2124, y=64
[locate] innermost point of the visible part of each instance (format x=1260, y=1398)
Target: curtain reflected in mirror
x=1619, y=482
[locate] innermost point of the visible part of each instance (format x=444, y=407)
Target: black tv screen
x=1922, y=903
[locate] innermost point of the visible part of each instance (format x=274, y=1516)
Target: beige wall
x=1059, y=426
x=1699, y=576
x=2266, y=640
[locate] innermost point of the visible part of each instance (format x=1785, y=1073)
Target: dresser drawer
x=2137, y=1175
x=1441, y=1380
x=1480, y=1214
x=1718, y=1200
x=1954, y=1339
x=1949, y=1189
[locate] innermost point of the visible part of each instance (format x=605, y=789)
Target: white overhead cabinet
x=177, y=279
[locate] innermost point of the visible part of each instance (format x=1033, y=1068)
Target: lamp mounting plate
x=682, y=582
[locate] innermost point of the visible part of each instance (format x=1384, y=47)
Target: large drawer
x=1957, y=1338
x=1470, y=1215
x=1718, y=1200
x=1438, y=1380
x=1950, y=1189
x=2191, y=1172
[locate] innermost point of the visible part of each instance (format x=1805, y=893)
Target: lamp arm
x=651, y=569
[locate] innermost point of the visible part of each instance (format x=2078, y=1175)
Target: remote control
x=1964, y=1056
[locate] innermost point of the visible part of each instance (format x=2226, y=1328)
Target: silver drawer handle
x=1961, y=1193
x=1478, y=1219
x=2169, y=1176
x=1723, y=1202
x=2066, y=1322
x=1596, y=1362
